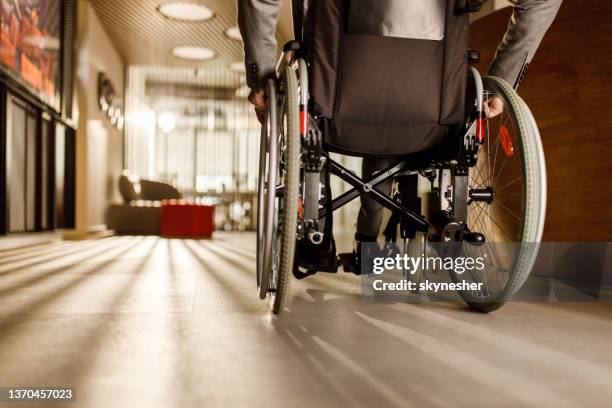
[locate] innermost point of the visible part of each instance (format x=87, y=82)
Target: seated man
x=258, y=18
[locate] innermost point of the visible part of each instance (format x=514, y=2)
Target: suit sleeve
x=257, y=21
x=529, y=22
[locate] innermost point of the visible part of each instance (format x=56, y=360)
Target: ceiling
x=204, y=76
x=144, y=37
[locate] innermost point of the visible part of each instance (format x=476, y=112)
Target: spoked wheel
x=278, y=191
x=511, y=168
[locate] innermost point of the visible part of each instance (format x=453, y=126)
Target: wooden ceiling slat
x=144, y=37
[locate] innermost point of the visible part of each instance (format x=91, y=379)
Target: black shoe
x=351, y=261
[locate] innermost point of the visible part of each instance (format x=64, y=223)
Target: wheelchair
x=486, y=174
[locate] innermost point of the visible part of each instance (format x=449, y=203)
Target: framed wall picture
x=30, y=45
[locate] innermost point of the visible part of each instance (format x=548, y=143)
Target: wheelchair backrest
x=382, y=66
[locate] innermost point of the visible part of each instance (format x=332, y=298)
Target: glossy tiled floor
x=143, y=321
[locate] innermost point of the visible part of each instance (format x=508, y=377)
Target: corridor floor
x=149, y=322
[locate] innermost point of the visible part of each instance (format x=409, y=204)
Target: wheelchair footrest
x=324, y=265
x=298, y=274
x=348, y=263
x=302, y=275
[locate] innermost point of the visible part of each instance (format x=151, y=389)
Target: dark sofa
x=140, y=212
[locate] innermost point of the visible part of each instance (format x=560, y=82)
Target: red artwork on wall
x=30, y=44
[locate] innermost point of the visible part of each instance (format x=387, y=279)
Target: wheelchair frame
x=465, y=156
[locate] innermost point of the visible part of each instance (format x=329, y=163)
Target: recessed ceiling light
x=237, y=67
x=193, y=53
x=186, y=11
x=234, y=33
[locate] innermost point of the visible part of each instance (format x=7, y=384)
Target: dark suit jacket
x=530, y=20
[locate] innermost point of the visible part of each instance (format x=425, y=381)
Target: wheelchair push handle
x=289, y=50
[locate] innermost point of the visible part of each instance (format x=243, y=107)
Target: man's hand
x=258, y=99
x=494, y=107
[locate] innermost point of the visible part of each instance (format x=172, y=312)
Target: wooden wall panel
x=569, y=88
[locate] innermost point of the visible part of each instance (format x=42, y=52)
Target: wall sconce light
x=109, y=102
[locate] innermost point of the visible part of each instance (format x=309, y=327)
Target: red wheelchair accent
x=506, y=141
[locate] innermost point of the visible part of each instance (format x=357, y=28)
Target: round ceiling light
x=234, y=33
x=193, y=53
x=186, y=11
x=237, y=67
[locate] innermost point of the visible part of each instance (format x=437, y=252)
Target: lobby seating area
x=140, y=213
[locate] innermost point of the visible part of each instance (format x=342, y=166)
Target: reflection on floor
x=143, y=321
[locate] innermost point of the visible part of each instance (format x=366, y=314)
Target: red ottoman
x=184, y=220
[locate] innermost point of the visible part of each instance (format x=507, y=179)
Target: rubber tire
x=288, y=224
x=534, y=197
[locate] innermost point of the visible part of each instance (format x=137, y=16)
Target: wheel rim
x=499, y=168
x=267, y=194
x=275, y=258
x=261, y=202
x=505, y=164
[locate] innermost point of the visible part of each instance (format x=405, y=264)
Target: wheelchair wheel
x=510, y=165
x=265, y=201
x=283, y=204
